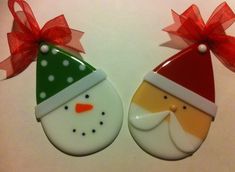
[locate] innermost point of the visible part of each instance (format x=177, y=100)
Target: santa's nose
x=81, y=107
x=173, y=108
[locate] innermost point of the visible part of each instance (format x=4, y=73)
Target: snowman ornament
x=79, y=109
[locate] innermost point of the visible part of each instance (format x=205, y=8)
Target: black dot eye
x=74, y=130
x=87, y=96
x=101, y=122
x=103, y=113
x=184, y=107
x=93, y=130
x=66, y=107
x=165, y=97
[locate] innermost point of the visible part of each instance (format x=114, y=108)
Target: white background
x=122, y=37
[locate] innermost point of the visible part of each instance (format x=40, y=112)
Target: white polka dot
x=54, y=51
x=70, y=79
x=51, y=78
x=65, y=63
x=42, y=95
x=82, y=67
x=44, y=48
x=44, y=63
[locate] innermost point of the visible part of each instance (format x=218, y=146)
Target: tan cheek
x=150, y=100
x=194, y=121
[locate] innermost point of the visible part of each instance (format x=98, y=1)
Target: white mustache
x=149, y=121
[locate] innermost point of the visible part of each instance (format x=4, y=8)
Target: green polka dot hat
x=61, y=77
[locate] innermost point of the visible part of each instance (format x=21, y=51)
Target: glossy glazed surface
x=165, y=126
x=88, y=123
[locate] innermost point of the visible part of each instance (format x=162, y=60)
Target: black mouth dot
x=103, y=113
x=101, y=122
x=87, y=96
x=93, y=130
x=83, y=134
x=74, y=130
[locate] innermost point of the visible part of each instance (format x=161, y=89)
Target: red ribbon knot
x=189, y=29
x=26, y=36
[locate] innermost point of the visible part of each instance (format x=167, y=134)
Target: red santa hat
x=188, y=75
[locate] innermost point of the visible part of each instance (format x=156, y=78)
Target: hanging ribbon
x=189, y=28
x=26, y=36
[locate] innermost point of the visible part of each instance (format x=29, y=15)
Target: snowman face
x=86, y=124
x=164, y=125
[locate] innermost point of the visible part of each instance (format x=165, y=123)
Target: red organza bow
x=26, y=36
x=189, y=28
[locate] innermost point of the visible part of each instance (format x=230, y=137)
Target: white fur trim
x=69, y=93
x=182, y=93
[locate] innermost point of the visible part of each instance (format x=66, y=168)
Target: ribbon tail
x=16, y=64
x=75, y=43
x=223, y=48
x=176, y=42
x=6, y=69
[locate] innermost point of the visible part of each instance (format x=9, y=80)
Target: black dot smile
x=101, y=122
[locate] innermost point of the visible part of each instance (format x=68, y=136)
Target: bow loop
x=56, y=31
x=194, y=15
x=25, y=19
x=221, y=19
x=190, y=28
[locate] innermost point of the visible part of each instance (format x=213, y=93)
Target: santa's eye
x=87, y=96
x=165, y=97
x=184, y=107
x=66, y=107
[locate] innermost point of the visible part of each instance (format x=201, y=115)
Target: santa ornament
x=79, y=109
x=172, y=110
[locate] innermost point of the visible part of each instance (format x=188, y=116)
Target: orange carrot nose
x=83, y=107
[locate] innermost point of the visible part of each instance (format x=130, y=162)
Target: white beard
x=163, y=139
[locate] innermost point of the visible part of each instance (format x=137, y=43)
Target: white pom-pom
x=202, y=48
x=44, y=48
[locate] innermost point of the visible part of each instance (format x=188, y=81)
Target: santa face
x=165, y=126
x=86, y=124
